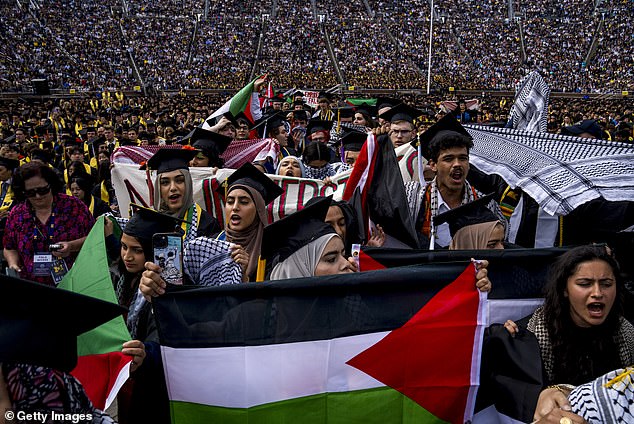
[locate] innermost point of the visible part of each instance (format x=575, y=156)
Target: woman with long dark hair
x=579, y=334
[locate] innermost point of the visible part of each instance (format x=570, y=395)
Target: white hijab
x=303, y=262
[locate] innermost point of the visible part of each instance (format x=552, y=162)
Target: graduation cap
x=84, y=132
x=166, y=160
x=352, y=141
x=366, y=108
x=39, y=154
x=401, y=112
x=29, y=335
x=344, y=112
x=300, y=114
x=284, y=237
x=278, y=99
x=241, y=117
x=248, y=175
x=146, y=222
x=472, y=213
x=383, y=102
x=316, y=125
x=209, y=141
x=589, y=126
x=10, y=164
x=269, y=122
x=448, y=125
x=324, y=96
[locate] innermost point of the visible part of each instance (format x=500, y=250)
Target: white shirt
x=443, y=235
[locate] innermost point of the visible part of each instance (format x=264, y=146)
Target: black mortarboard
x=230, y=118
x=166, y=160
x=344, y=112
x=401, y=112
x=300, y=114
x=353, y=140
x=323, y=95
x=589, y=126
x=284, y=237
x=146, y=222
x=29, y=335
x=366, y=108
x=318, y=125
x=9, y=163
x=278, y=99
x=382, y=102
x=447, y=125
x=242, y=117
x=269, y=122
x=250, y=176
x=472, y=213
x=207, y=141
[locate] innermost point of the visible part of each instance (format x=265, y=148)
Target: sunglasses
x=35, y=191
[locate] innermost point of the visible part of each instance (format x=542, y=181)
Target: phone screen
x=168, y=254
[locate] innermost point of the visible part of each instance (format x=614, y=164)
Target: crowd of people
x=55, y=173
x=380, y=46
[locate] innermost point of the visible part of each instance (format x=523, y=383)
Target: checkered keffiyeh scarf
x=240, y=152
x=208, y=262
x=530, y=109
x=537, y=325
x=137, y=154
x=608, y=399
x=560, y=172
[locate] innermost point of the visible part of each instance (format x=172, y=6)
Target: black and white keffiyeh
x=560, y=172
x=608, y=399
x=530, y=109
x=208, y=262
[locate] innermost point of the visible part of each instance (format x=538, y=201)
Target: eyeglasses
x=35, y=191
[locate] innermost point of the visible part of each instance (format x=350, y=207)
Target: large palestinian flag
x=101, y=367
x=389, y=346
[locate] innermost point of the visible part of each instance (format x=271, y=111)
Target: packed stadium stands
x=578, y=45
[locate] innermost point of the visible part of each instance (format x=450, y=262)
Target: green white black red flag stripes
x=388, y=346
x=101, y=367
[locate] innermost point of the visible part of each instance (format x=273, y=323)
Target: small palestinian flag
x=400, y=345
x=101, y=367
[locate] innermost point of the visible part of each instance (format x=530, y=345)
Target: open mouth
x=289, y=173
x=174, y=198
x=456, y=175
x=235, y=219
x=596, y=309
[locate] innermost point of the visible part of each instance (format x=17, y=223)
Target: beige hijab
x=473, y=237
x=250, y=238
x=303, y=262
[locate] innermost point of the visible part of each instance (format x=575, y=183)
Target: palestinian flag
x=245, y=101
x=390, y=346
x=101, y=367
x=377, y=176
x=517, y=275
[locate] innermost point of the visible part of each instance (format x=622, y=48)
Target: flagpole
x=431, y=35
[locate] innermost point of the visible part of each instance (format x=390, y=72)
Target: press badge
x=58, y=270
x=42, y=264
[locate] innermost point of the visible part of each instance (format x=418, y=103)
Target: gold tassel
x=625, y=375
x=259, y=276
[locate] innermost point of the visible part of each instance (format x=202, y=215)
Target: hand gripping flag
x=390, y=346
x=101, y=368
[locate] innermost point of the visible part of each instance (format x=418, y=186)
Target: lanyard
x=49, y=229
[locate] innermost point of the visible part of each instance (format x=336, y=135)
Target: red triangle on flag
x=368, y=263
x=429, y=358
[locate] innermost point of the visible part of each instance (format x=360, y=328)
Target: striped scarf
x=431, y=204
